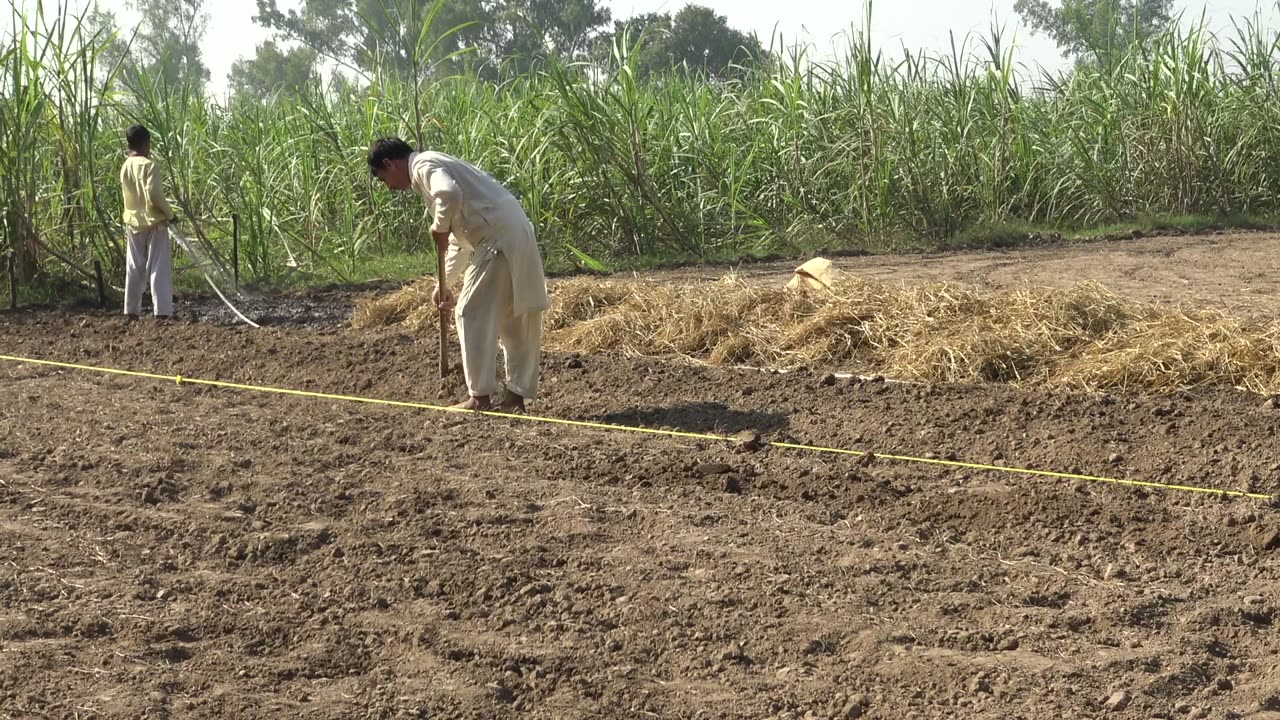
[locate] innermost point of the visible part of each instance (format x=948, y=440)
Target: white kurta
x=480, y=213
x=493, y=248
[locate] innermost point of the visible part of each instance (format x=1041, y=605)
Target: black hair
x=388, y=148
x=137, y=136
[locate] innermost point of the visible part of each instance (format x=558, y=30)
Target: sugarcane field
x=541, y=360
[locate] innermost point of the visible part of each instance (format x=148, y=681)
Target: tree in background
x=401, y=35
x=167, y=46
x=116, y=51
x=273, y=70
x=696, y=38
x=328, y=27
x=380, y=35
x=369, y=35
x=701, y=39
x=521, y=32
x=1097, y=30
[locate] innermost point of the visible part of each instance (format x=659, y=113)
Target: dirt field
x=183, y=552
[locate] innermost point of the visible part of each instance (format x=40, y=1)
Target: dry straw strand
x=1084, y=337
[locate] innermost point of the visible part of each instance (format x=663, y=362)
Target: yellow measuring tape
x=180, y=380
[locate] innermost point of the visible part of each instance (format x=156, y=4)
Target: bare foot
x=475, y=404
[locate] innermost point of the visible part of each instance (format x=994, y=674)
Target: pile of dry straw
x=1085, y=337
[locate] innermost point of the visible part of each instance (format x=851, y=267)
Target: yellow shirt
x=144, y=201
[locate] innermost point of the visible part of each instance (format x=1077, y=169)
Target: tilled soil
x=177, y=551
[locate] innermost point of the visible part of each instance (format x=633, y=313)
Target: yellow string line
x=180, y=380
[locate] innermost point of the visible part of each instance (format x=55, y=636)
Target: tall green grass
x=870, y=151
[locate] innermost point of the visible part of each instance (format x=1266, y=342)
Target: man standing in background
x=146, y=219
x=488, y=241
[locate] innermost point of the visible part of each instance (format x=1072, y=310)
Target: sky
x=823, y=24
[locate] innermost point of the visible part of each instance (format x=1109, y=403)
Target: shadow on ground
x=703, y=417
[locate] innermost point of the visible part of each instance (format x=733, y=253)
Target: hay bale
x=1084, y=337
x=582, y=299
x=395, y=308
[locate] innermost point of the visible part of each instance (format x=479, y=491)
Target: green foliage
x=521, y=32
x=167, y=45
x=696, y=39
x=617, y=167
x=274, y=70
x=1097, y=30
x=379, y=35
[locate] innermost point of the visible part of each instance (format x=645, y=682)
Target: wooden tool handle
x=444, y=316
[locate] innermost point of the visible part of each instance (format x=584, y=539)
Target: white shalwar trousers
x=148, y=261
x=485, y=317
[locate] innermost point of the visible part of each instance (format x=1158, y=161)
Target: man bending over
x=488, y=241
